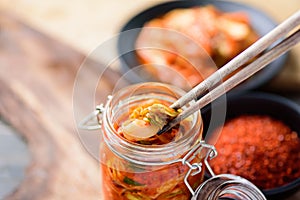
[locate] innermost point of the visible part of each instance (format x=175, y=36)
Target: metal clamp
x=92, y=121
x=196, y=168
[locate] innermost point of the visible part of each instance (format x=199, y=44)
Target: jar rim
x=152, y=154
x=222, y=184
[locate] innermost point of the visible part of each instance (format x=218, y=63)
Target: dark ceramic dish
x=261, y=23
x=266, y=104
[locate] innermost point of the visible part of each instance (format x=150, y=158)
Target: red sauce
x=164, y=183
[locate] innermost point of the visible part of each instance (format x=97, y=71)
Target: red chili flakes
x=260, y=149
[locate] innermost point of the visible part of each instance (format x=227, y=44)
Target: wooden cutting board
x=37, y=78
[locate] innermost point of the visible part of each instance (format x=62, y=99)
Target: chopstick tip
x=164, y=129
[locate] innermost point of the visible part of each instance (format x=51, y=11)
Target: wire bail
x=93, y=120
x=197, y=167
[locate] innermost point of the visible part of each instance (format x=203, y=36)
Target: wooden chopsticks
x=214, y=81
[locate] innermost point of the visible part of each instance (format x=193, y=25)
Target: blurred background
x=42, y=45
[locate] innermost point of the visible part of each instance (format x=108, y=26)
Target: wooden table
x=38, y=77
x=46, y=86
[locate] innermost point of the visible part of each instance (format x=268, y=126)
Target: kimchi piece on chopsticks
x=145, y=120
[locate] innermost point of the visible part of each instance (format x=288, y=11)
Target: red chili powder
x=259, y=148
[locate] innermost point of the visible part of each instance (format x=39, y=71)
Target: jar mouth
x=228, y=186
x=140, y=153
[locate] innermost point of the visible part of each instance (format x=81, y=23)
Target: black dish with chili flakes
x=282, y=111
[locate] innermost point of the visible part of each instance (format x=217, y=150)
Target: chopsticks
x=214, y=81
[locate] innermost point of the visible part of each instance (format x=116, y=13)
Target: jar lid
x=227, y=186
x=223, y=186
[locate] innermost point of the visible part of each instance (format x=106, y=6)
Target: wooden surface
x=37, y=77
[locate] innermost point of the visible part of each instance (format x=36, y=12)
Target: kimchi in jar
x=146, y=168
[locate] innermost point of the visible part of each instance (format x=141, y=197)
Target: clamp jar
x=141, y=171
x=169, y=171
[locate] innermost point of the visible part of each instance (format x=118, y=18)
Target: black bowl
x=256, y=103
x=261, y=23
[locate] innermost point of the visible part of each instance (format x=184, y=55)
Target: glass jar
x=137, y=171
x=174, y=170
